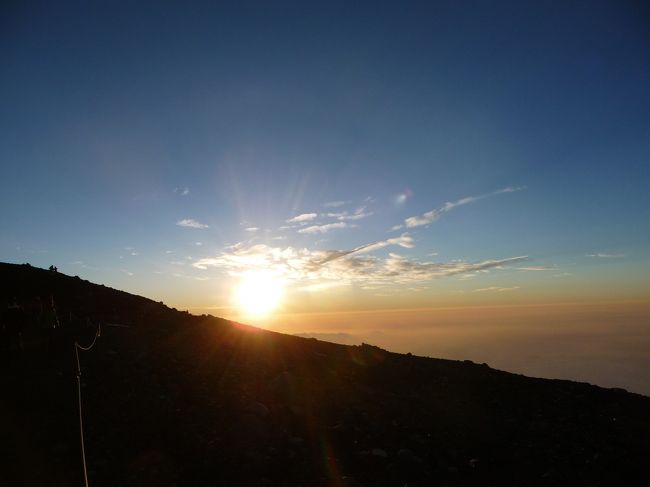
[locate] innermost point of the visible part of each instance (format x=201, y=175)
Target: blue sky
x=119, y=121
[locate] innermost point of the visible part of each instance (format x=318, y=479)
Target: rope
x=78, y=347
x=89, y=347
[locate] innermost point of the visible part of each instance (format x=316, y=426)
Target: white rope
x=77, y=347
x=97, y=334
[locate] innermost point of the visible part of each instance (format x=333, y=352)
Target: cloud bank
x=305, y=267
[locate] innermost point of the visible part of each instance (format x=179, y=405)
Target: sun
x=258, y=293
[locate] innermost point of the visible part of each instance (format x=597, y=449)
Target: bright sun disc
x=258, y=293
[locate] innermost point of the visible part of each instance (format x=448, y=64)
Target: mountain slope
x=175, y=399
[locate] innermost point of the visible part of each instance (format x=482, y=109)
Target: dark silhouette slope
x=175, y=399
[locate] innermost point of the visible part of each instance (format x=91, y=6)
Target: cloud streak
x=495, y=289
x=603, y=255
x=359, y=214
x=305, y=217
x=318, y=229
x=404, y=240
x=335, y=204
x=190, y=223
x=436, y=213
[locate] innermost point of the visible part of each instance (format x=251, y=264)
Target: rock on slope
x=175, y=399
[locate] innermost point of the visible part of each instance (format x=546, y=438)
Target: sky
x=354, y=156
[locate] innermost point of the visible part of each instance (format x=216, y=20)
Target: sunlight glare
x=258, y=293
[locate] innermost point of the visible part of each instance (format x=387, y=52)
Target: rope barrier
x=78, y=347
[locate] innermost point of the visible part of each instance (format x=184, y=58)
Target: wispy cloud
x=404, y=240
x=401, y=266
x=466, y=277
x=359, y=214
x=251, y=229
x=190, y=223
x=131, y=251
x=603, y=255
x=495, y=289
x=183, y=191
x=402, y=197
x=335, y=204
x=305, y=217
x=436, y=213
x=509, y=189
x=317, y=229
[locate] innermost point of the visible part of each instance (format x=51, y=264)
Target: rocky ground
x=174, y=399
